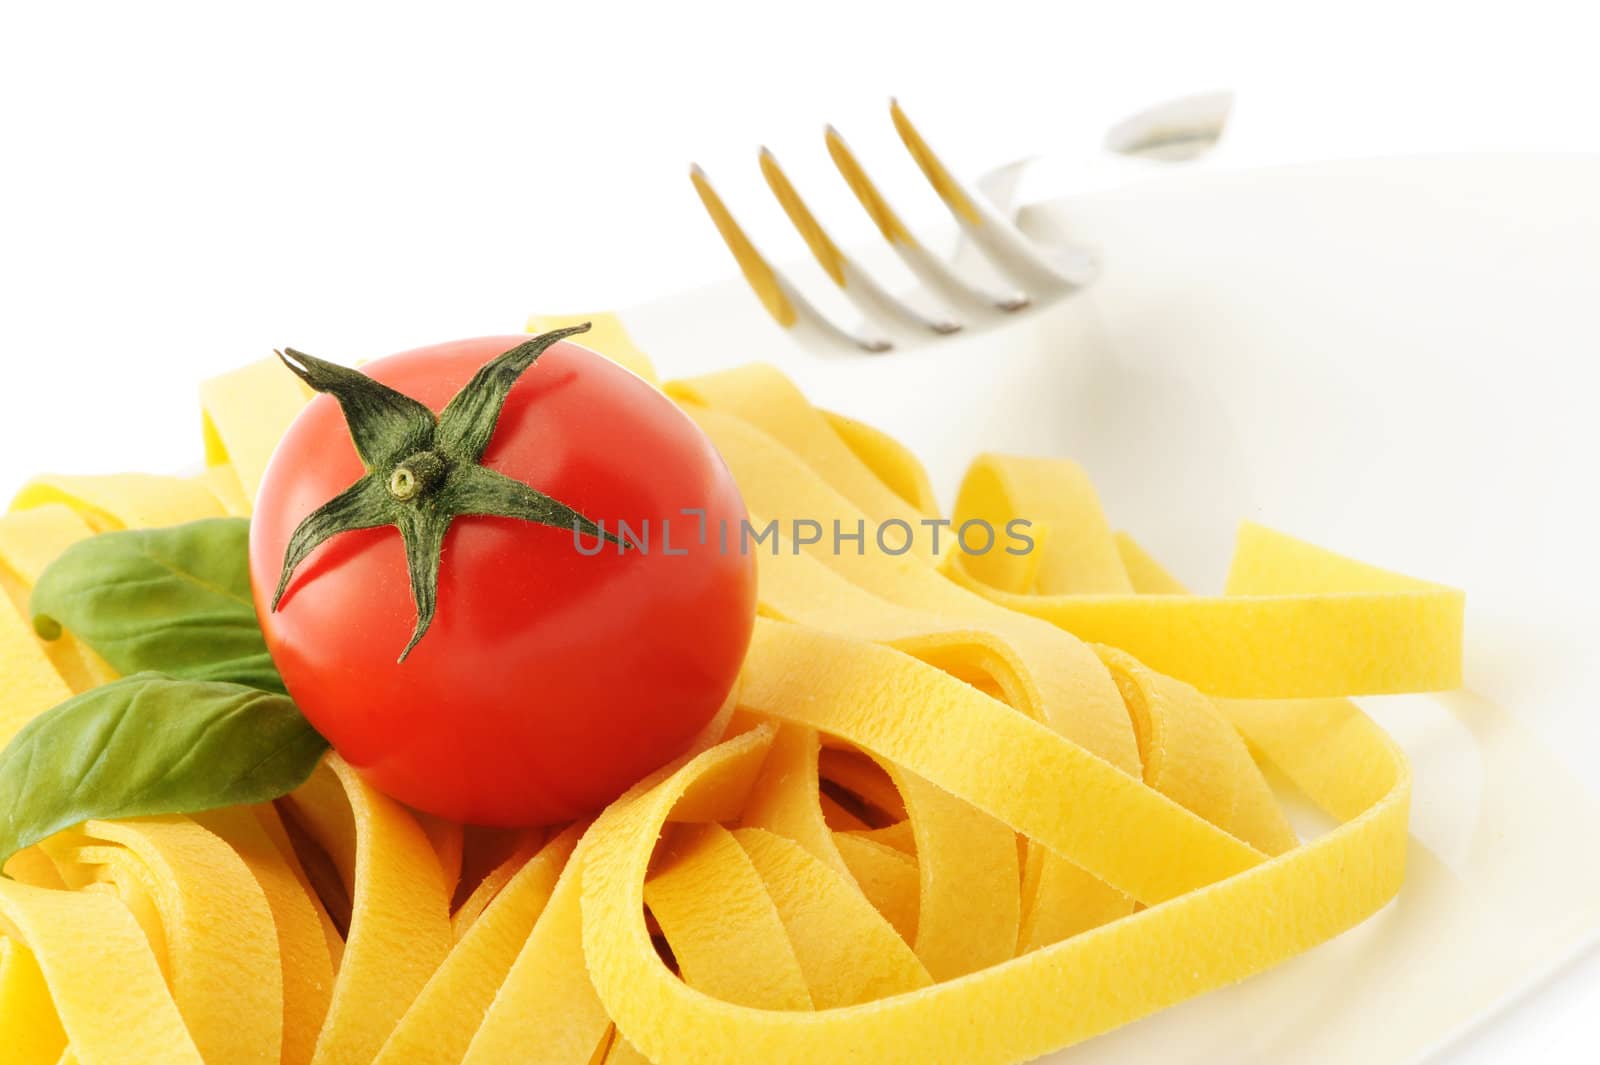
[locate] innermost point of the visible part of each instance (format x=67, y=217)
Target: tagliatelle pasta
x=243, y=414
x=220, y=941
x=34, y=1037
x=306, y=959
x=967, y=807
x=107, y=990
x=441, y=1023
x=29, y=541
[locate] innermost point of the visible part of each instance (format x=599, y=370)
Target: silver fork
x=1040, y=276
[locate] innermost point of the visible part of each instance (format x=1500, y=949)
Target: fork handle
x=1262, y=126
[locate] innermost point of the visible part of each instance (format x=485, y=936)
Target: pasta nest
x=962, y=808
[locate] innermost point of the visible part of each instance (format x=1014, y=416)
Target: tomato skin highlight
x=552, y=678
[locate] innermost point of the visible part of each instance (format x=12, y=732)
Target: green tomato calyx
x=424, y=470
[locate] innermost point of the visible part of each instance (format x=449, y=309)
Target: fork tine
x=995, y=234
x=932, y=270
x=782, y=300
x=872, y=298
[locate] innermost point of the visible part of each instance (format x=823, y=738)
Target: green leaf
x=149, y=744
x=174, y=600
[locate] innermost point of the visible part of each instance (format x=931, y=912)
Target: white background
x=185, y=186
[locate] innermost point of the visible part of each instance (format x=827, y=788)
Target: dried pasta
x=965, y=808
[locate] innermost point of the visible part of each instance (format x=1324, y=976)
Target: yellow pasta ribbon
x=440, y=1024
x=971, y=806
x=888, y=459
x=222, y=481
x=106, y=986
x=123, y=501
x=297, y=918
x=400, y=910
x=968, y=911
x=494, y=881
x=888, y=877
x=218, y=931
x=29, y=1027
x=245, y=413
x=725, y=929
x=606, y=336
x=32, y=683
x=1328, y=626
x=847, y=950
x=29, y=541
x=1006, y=1013
x=546, y=1010
x=981, y=750
x=448, y=840
x=763, y=397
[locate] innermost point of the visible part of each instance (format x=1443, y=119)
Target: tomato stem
x=416, y=476
x=423, y=470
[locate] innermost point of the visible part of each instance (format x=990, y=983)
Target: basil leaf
x=149, y=744
x=174, y=600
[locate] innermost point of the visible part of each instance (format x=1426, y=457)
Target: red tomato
x=550, y=680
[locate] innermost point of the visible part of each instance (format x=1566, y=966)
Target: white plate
x=1391, y=358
